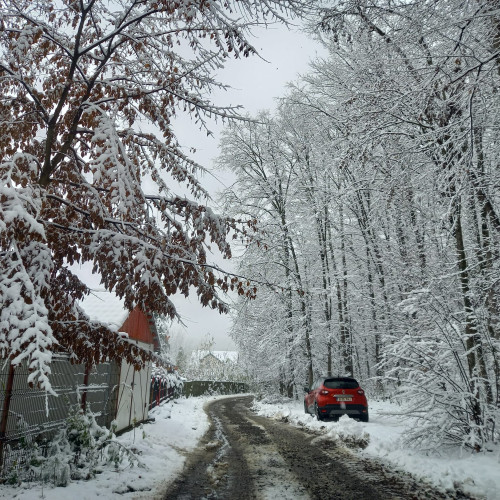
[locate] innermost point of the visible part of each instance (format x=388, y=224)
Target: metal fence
x=160, y=392
x=30, y=413
x=202, y=387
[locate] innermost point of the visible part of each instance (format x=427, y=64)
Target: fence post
x=132, y=385
x=85, y=385
x=5, y=410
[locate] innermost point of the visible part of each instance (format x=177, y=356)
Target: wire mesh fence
x=30, y=415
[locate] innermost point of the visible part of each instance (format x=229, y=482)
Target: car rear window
x=339, y=383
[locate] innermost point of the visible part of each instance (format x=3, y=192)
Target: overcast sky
x=255, y=85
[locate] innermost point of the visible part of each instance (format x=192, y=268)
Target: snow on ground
x=179, y=425
x=161, y=447
x=477, y=474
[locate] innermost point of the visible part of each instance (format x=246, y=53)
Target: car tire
x=316, y=411
x=306, y=410
x=364, y=417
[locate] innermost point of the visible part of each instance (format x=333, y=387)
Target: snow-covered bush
x=76, y=452
x=170, y=379
x=429, y=366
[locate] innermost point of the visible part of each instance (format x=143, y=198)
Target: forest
x=375, y=185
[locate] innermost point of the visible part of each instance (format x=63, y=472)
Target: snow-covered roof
x=105, y=307
x=224, y=356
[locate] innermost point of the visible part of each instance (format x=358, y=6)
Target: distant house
x=213, y=365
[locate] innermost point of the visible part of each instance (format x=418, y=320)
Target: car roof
x=343, y=379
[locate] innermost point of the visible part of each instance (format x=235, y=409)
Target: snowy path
x=247, y=456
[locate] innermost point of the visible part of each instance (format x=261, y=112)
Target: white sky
x=255, y=85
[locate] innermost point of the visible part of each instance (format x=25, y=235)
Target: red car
x=336, y=396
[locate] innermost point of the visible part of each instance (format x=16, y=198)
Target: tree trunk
x=472, y=340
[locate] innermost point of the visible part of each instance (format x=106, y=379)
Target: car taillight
x=360, y=391
x=325, y=393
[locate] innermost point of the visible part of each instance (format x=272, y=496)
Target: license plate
x=343, y=398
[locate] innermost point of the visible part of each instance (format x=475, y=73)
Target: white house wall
x=133, y=394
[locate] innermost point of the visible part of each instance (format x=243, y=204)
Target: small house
x=131, y=392
x=134, y=387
